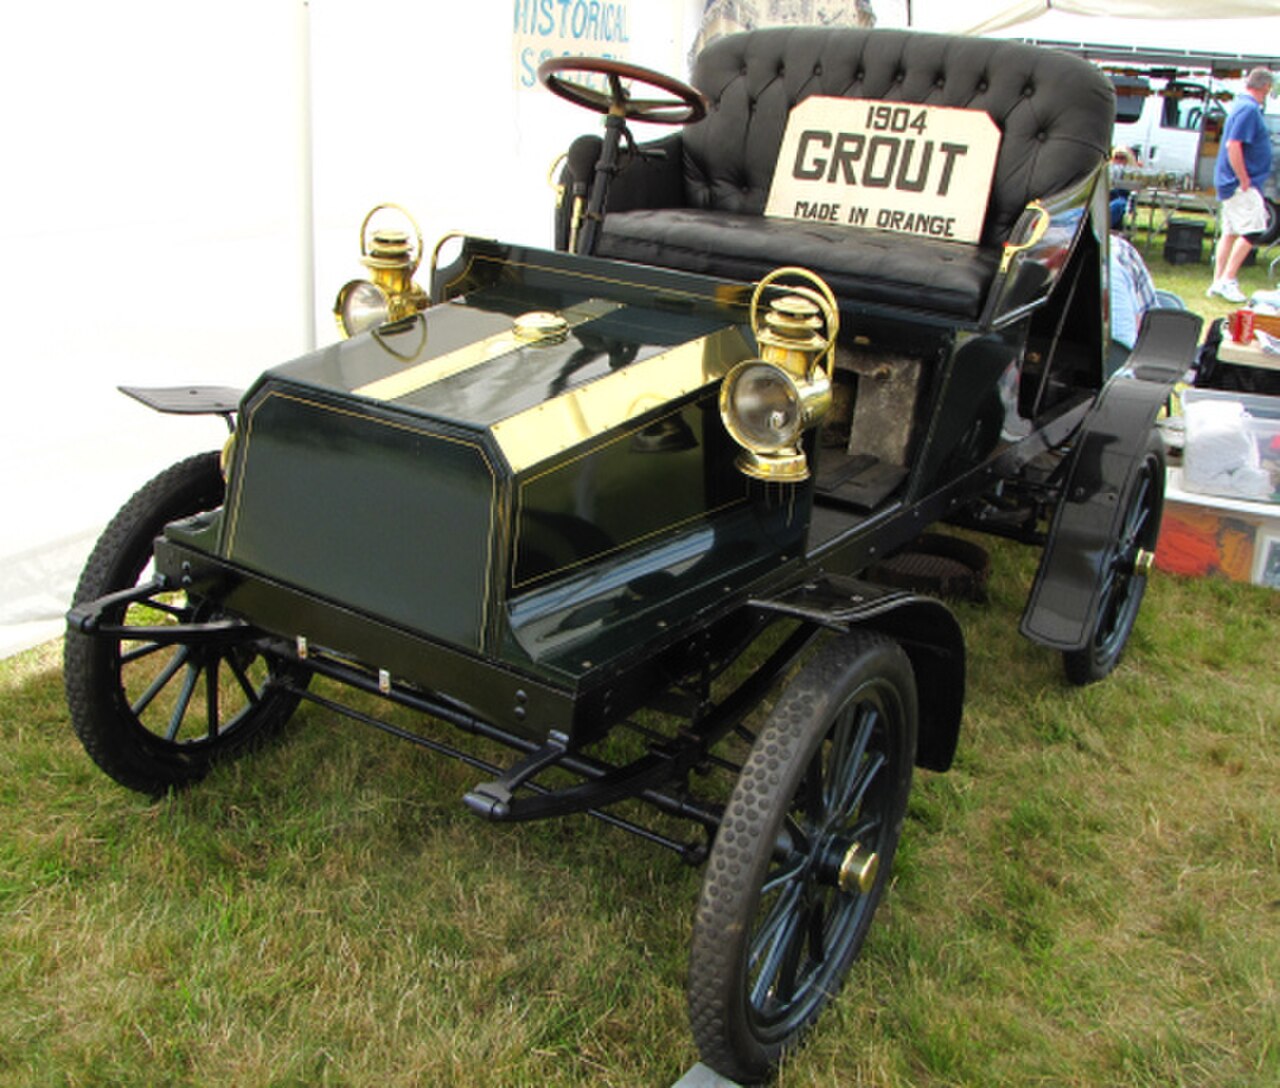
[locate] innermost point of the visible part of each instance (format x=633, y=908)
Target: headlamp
x=767, y=404
x=767, y=410
x=390, y=293
x=361, y=305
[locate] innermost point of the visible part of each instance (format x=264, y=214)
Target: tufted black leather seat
x=1055, y=112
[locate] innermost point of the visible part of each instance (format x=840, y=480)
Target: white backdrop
x=177, y=178
x=184, y=185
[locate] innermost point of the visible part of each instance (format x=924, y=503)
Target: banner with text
x=897, y=166
x=564, y=28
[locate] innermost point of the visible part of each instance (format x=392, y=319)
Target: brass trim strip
x=537, y=434
x=395, y=386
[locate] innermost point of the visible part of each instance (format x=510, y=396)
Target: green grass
x=1189, y=281
x=1090, y=897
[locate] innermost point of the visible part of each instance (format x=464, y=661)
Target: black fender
x=187, y=400
x=924, y=627
x=1061, y=611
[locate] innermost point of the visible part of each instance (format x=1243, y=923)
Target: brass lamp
x=389, y=294
x=768, y=403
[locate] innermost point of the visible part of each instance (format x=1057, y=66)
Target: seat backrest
x=1055, y=111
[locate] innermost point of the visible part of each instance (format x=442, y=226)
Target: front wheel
x=803, y=854
x=1124, y=571
x=155, y=713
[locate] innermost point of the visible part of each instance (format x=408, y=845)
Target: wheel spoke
x=242, y=678
x=211, y=697
x=184, y=701
x=847, y=754
x=655, y=105
x=145, y=649
x=1108, y=585
x=784, y=987
x=865, y=830
x=1134, y=533
x=843, y=739
x=1138, y=512
x=801, y=839
x=853, y=800
x=616, y=87
x=783, y=876
x=817, y=936
x=779, y=955
x=782, y=908
x=159, y=683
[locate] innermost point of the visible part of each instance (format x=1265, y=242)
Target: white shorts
x=1243, y=212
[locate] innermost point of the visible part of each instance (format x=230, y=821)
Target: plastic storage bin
x=1232, y=444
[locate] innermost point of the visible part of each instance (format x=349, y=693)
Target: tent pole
x=306, y=215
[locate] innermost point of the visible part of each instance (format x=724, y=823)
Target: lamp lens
x=363, y=306
x=765, y=406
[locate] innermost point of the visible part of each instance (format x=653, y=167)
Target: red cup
x=1240, y=326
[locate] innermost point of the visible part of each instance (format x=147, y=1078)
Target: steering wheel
x=684, y=104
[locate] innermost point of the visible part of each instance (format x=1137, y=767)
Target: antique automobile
x=620, y=506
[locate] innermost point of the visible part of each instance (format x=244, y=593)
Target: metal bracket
x=492, y=800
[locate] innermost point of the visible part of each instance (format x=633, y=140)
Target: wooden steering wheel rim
x=618, y=102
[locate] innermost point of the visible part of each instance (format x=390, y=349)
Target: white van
x=1173, y=126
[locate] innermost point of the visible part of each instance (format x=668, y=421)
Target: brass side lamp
x=389, y=294
x=769, y=403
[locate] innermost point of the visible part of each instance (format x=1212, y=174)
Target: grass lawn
x=1189, y=281
x=1090, y=897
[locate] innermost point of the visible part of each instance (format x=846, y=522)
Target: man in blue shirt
x=1244, y=162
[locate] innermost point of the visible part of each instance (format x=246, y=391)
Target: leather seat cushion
x=894, y=269
x=1054, y=111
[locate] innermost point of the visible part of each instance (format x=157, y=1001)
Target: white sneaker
x=1226, y=289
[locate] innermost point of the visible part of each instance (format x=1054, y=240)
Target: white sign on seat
x=895, y=166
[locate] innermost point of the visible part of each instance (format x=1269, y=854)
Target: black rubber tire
x=805, y=773
x=152, y=741
x=1123, y=586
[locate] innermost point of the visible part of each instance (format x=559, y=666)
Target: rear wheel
x=803, y=854
x=1124, y=571
x=155, y=713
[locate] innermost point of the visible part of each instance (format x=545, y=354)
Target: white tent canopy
x=1163, y=10
x=1244, y=28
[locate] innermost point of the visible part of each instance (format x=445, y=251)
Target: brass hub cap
x=858, y=870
